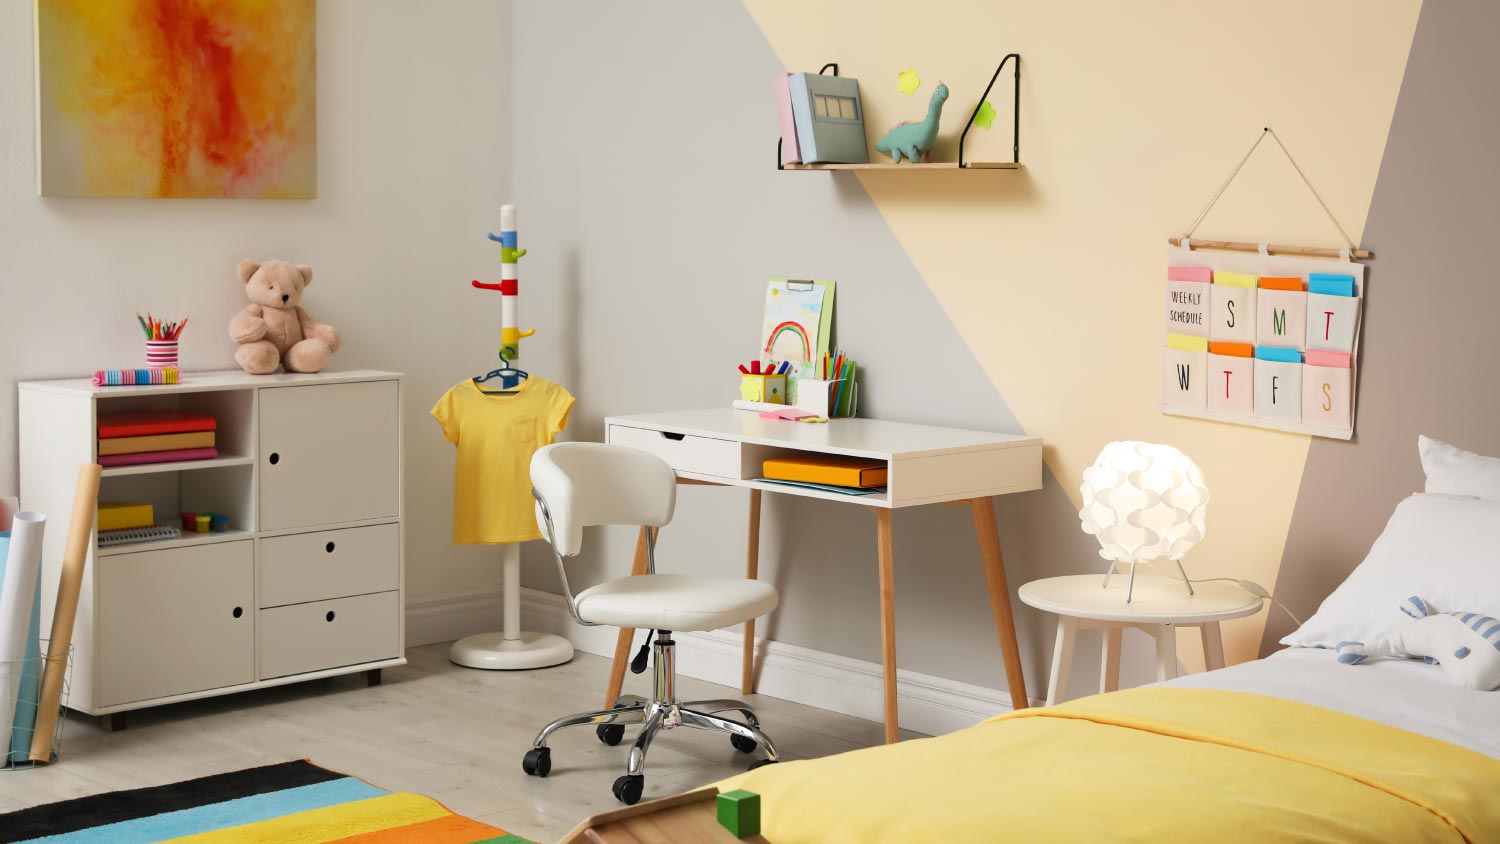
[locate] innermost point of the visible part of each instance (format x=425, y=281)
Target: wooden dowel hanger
x=1273, y=249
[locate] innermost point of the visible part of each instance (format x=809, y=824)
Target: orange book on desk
x=831, y=469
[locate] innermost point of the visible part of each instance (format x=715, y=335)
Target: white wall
x=413, y=162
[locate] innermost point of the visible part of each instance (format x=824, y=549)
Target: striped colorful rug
x=289, y=803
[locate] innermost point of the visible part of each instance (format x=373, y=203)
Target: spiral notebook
x=130, y=536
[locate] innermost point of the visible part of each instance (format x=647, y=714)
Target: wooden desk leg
x=1166, y=651
x=886, y=549
x=752, y=571
x=1213, y=645
x=994, y=571
x=1109, y=670
x=622, y=643
x=1062, y=659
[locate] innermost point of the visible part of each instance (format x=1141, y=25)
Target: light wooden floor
x=454, y=734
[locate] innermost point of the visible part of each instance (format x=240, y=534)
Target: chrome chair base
x=663, y=713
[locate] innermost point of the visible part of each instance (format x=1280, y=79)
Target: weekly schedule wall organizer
x=1269, y=338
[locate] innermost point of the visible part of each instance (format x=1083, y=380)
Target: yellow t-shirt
x=496, y=436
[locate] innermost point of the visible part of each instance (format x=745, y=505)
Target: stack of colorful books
x=155, y=436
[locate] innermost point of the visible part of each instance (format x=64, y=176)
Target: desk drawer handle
x=673, y=436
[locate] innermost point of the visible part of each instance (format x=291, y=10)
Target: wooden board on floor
x=687, y=818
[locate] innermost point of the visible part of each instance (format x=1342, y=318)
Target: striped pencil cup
x=161, y=352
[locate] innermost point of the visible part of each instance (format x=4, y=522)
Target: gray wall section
x=644, y=175
x=1428, y=363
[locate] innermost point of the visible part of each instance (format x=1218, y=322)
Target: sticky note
x=1278, y=390
x=1234, y=279
x=1231, y=384
x=1277, y=353
x=1281, y=318
x=1187, y=308
x=907, y=81
x=1184, y=378
x=1329, y=284
x=1339, y=360
x=1327, y=399
x=1331, y=322
x=1203, y=274
x=1231, y=313
x=1274, y=283
x=1187, y=343
x=1239, y=350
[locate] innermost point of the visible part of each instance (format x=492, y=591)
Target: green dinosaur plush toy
x=915, y=140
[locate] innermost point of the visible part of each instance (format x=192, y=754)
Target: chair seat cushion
x=676, y=602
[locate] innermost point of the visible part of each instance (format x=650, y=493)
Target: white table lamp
x=1143, y=502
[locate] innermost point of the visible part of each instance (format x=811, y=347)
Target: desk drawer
x=685, y=452
x=329, y=564
x=329, y=634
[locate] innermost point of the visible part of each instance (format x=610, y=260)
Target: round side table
x=1083, y=602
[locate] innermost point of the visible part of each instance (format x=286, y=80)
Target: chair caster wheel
x=742, y=744
x=537, y=762
x=762, y=763
x=628, y=789
x=610, y=734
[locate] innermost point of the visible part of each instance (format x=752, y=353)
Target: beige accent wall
x=1132, y=115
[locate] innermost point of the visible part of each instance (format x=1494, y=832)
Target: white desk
x=927, y=465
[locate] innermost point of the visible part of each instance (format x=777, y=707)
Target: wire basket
x=23, y=679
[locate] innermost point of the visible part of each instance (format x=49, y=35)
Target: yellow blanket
x=1150, y=765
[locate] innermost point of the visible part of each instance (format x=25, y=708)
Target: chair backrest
x=587, y=484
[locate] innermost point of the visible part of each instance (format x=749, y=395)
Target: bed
x=1297, y=747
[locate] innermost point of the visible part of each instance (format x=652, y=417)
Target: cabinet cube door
x=175, y=621
x=329, y=453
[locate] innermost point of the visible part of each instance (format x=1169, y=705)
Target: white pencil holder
x=816, y=396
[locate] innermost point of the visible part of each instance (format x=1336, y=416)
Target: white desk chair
x=577, y=485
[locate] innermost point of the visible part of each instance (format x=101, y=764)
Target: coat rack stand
x=512, y=648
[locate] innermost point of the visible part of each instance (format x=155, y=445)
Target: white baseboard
x=928, y=704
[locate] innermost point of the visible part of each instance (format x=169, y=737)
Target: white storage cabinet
x=307, y=582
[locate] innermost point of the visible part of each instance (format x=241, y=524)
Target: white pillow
x=1445, y=548
x=1452, y=471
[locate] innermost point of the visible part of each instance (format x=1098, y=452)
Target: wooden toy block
x=739, y=812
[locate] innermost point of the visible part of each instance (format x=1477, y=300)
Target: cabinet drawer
x=329, y=564
x=329, y=453
x=175, y=621
x=329, y=634
x=685, y=452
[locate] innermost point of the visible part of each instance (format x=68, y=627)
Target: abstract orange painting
x=177, y=98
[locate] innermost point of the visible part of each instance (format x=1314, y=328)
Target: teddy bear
x=274, y=329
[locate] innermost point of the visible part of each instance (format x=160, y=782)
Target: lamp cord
x=1258, y=591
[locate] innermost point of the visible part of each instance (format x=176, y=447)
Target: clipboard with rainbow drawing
x=797, y=326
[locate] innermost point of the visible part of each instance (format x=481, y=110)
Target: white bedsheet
x=1409, y=694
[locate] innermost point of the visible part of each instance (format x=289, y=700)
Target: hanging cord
x=1253, y=588
x=1238, y=167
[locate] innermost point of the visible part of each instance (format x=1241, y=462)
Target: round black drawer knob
x=275, y=458
x=328, y=547
x=329, y=616
x=239, y=611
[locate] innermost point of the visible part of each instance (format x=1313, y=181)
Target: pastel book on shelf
x=827, y=469
x=124, y=515
x=156, y=442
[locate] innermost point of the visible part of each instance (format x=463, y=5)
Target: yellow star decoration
x=986, y=115
x=909, y=82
